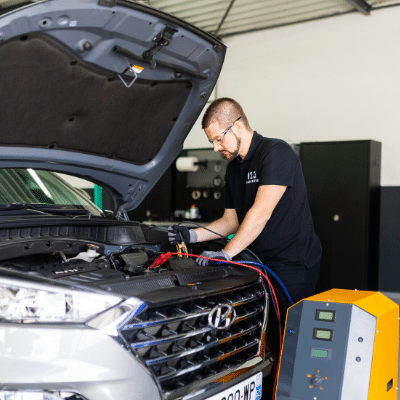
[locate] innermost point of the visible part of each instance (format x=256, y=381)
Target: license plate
x=250, y=389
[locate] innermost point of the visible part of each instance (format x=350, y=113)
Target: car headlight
x=32, y=302
x=17, y=395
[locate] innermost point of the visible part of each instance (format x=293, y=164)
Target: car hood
x=106, y=90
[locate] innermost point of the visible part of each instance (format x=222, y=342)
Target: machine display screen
x=325, y=315
x=323, y=334
x=319, y=353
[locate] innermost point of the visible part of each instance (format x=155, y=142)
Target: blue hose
x=273, y=274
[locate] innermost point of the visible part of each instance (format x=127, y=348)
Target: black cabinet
x=343, y=183
x=389, y=240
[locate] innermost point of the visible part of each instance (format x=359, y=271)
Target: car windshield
x=42, y=190
x=11, y=5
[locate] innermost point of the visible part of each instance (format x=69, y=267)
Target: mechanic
x=266, y=204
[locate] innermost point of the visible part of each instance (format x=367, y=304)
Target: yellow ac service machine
x=340, y=345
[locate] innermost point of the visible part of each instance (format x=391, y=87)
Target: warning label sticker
x=137, y=69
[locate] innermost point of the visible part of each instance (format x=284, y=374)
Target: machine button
x=316, y=380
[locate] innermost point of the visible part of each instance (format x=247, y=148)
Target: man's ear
x=239, y=128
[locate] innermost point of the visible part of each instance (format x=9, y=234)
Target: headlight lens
x=16, y=395
x=31, y=302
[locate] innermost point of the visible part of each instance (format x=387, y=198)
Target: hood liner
x=67, y=103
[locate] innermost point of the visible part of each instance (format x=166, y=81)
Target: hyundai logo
x=221, y=316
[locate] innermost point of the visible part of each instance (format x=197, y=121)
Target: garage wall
x=331, y=79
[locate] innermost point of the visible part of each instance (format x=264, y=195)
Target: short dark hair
x=224, y=111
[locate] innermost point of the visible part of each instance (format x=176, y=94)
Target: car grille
x=180, y=348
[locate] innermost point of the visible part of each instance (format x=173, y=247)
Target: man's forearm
x=248, y=231
x=222, y=226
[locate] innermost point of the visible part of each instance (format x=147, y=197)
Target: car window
x=11, y=5
x=28, y=186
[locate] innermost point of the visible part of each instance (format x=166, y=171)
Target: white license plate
x=250, y=389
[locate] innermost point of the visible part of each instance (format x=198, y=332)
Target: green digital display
x=324, y=315
x=323, y=334
x=319, y=353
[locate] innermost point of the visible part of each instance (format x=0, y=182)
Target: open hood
x=106, y=90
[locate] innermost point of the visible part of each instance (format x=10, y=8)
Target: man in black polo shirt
x=266, y=203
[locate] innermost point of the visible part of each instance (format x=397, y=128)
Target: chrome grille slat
x=185, y=317
x=245, y=301
x=205, y=363
x=252, y=314
x=165, y=321
x=173, y=338
x=200, y=348
x=179, y=347
x=170, y=339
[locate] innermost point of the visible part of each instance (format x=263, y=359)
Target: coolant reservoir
x=88, y=255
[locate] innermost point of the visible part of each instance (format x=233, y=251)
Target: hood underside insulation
x=53, y=100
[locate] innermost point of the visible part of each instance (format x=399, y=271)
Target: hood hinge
x=161, y=40
x=121, y=213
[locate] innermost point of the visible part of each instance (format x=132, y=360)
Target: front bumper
x=83, y=361
x=72, y=359
x=123, y=353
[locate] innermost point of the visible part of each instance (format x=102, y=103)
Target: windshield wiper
x=50, y=209
x=20, y=206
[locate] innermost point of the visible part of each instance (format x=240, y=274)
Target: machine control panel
x=318, y=348
x=340, y=345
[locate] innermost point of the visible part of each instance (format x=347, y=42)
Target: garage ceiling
x=224, y=18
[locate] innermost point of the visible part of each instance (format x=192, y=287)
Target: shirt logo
x=252, y=177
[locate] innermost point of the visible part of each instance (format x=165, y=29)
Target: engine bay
x=135, y=260
x=113, y=265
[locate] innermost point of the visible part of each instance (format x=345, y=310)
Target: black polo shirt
x=288, y=237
